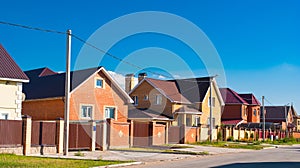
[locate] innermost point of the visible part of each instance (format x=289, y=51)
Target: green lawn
x=11, y=160
x=237, y=145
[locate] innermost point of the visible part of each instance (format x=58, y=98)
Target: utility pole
x=67, y=94
x=264, y=117
x=286, y=121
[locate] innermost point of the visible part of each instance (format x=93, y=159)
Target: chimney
x=129, y=82
x=142, y=76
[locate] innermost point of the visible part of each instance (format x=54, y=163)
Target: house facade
x=11, y=87
x=239, y=108
x=183, y=101
x=282, y=115
x=95, y=97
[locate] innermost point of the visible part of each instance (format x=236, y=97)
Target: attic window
x=146, y=97
x=99, y=83
x=212, y=100
x=158, y=99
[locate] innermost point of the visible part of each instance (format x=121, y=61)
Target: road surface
x=282, y=157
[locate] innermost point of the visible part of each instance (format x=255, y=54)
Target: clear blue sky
x=258, y=41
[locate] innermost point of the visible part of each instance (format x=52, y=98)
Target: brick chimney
x=142, y=76
x=129, y=82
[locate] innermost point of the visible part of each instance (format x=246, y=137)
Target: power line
x=96, y=48
x=32, y=28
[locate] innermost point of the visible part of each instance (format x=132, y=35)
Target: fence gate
x=174, y=134
x=79, y=136
x=141, y=134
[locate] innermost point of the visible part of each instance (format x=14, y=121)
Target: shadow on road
x=262, y=164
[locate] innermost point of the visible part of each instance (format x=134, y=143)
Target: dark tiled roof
x=52, y=85
x=231, y=97
x=250, y=99
x=169, y=89
x=194, y=89
x=135, y=113
x=275, y=113
x=8, y=67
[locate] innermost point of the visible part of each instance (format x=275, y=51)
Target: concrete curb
x=120, y=165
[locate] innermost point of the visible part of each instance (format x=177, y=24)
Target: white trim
x=88, y=105
x=15, y=80
x=45, y=99
x=116, y=111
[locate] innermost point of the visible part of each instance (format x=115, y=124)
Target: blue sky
x=257, y=41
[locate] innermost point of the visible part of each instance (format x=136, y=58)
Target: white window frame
x=213, y=101
x=135, y=100
x=103, y=83
x=89, y=106
x=116, y=112
x=158, y=99
x=146, y=97
x=6, y=116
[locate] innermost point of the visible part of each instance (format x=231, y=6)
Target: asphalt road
x=283, y=157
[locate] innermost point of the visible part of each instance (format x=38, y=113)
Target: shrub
x=246, y=135
x=219, y=136
x=230, y=138
x=252, y=135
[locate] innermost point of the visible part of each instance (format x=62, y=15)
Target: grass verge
x=12, y=160
x=168, y=151
x=236, y=145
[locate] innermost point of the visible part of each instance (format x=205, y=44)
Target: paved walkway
x=145, y=156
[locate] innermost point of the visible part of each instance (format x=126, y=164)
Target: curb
x=120, y=165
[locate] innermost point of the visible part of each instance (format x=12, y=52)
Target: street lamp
x=286, y=120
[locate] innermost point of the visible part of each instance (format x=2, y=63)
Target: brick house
x=239, y=108
x=282, y=115
x=94, y=95
x=179, y=102
x=11, y=85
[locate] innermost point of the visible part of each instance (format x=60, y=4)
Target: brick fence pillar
x=93, y=136
x=167, y=133
x=131, y=133
x=26, y=134
x=60, y=135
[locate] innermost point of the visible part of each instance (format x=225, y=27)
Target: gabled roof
x=169, y=89
x=194, y=89
x=9, y=70
x=233, y=122
x=45, y=84
x=250, y=99
x=231, y=97
x=276, y=113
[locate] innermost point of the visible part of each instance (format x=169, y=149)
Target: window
x=4, y=116
x=110, y=112
x=245, y=111
x=254, y=112
x=298, y=122
x=86, y=111
x=208, y=121
x=146, y=97
x=197, y=120
x=188, y=121
x=213, y=100
x=136, y=100
x=99, y=83
x=158, y=99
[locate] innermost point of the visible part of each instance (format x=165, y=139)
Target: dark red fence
x=11, y=133
x=174, y=134
x=43, y=133
x=79, y=136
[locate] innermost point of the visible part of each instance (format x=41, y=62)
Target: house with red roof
x=239, y=108
x=180, y=102
x=11, y=85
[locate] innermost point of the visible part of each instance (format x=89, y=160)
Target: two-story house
x=94, y=95
x=239, y=108
x=175, y=102
x=11, y=81
x=282, y=115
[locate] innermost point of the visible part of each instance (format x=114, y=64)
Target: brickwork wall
x=159, y=134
